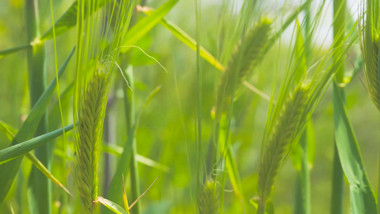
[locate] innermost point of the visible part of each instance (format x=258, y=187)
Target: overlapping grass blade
x=146, y=24
x=115, y=192
x=129, y=103
x=234, y=176
x=6, y=52
x=69, y=19
x=38, y=185
x=339, y=28
x=22, y=148
x=186, y=39
x=303, y=160
x=7, y=130
x=362, y=199
x=8, y=171
x=46, y=172
x=118, y=150
x=10, y=133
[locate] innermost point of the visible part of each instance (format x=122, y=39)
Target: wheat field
x=189, y=106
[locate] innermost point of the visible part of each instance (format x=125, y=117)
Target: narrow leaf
x=11, y=132
x=37, y=163
x=112, y=206
x=69, y=20
x=6, y=52
x=8, y=131
x=186, y=39
x=146, y=24
x=118, y=150
x=19, y=149
x=362, y=199
x=125, y=198
x=234, y=176
x=8, y=171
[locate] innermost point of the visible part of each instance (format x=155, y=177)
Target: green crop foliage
x=189, y=106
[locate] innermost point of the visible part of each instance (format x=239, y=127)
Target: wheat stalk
x=91, y=117
x=281, y=136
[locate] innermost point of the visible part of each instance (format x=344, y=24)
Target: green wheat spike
x=248, y=53
x=280, y=138
x=91, y=117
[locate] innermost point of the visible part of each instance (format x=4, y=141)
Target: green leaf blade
x=146, y=24
x=9, y=170
x=362, y=198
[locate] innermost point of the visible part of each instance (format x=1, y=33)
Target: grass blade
x=19, y=149
x=362, y=199
x=306, y=146
x=8, y=171
x=115, y=192
x=46, y=172
x=186, y=39
x=129, y=103
x=339, y=7
x=8, y=130
x=39, y=187
x=146, y=24
x=337, y=185
x=118, y=150
x=6, y=52
x=114, y=207
x=69, y=19
x=233, y=174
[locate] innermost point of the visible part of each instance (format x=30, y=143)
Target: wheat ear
x=91, y=117
x=280, y=137
x=248, y=53
x=371, y=60
x=208, y=199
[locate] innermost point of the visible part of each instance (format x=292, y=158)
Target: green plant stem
x=337, y=186
x=378, y=172
x=338, y=33
x=130, y=119
x=378, y=183
x=303, y=202
x=39, y=186
x=303, y=198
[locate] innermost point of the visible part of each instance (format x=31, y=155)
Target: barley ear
x=281, y=136
x=371, y=56
x=208, y=199
x=248, y=53
x=91, y=115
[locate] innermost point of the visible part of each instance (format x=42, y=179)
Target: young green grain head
x=208, y=199
x=98, y=40
x=248, y=53
x=91, y=116
x=281, y=135
x=371, y=50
